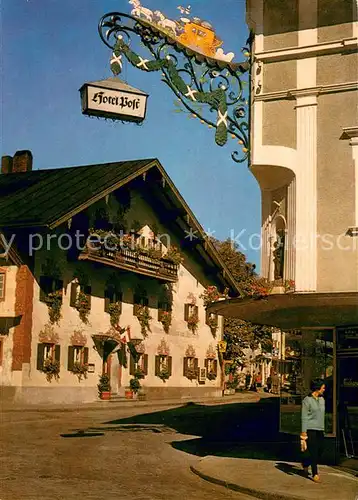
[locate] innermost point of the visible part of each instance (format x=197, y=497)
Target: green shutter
x=85, y=355
x=107, y=299
x=196, y=365
x=185, y=366
x=70, y=358
x=57, y=353
x=216, y=367
x=40, y=356
x=186, y=312
x=131, y=365
x=145, y=364
x=196, y=311
x=157, y=365
x=170, y=365
x=206, y=364
x=88, y=291
x=73, y=295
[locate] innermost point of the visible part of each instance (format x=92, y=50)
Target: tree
x=239, y=334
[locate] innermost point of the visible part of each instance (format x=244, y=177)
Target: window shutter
x=70, y=358
x=57, y=353
x=196, y=365
x=206, y=364
x=145, y=364
x=108, y=295
x=85, y=355
x=170, y=365
x=196, y=311
x=186, y=312
x=157, y=365
x=46, y=284
x=216, y=366
x=131, y=365
x=185, y=366
x=40, y=356
x=73, y=296
x=207, y=317
x=88, y=291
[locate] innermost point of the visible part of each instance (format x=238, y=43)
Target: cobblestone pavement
x=72, y=455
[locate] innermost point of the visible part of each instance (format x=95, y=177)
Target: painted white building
x=50, y=215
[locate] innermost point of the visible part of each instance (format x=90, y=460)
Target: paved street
x=124, y=453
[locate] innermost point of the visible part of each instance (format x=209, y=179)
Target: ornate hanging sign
x=187, y=52
x=113, y=99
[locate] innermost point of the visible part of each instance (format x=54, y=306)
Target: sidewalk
x=115, y=404
x=270, y=480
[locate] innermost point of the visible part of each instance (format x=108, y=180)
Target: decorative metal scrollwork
x=202, y=85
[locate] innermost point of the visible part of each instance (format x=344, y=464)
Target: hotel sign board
x=113, y=99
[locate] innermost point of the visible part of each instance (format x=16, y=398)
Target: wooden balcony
x=135, y=261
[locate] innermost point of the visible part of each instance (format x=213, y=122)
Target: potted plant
x=54, y=304
x=104, y=387
x=51, y=368
x=134, y=385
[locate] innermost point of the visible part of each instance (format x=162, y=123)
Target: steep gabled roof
x=48, y=198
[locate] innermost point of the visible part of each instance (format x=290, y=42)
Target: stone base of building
x=48, y=395
x=184, y=393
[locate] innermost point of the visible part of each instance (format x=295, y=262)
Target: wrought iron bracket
x=202, y=86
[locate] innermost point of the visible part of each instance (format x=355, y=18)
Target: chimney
x=22, y=161
x=6, y=164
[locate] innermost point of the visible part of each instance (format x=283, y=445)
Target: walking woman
x=312, y=435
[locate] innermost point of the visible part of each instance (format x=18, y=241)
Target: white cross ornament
x=222, y=118
x=117, y=60
x=142, y=62
x=191, y=93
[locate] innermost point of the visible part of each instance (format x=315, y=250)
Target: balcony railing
x=133, y=260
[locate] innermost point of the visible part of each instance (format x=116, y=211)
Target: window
x=77, y=354
x=190, y=368
x=138, y=302
x=47, y=352
x=140, y=364
x=112, y=295
x=76, y=288
x=2, y=285
x=163, y=307
x=1, y=350
x=163, y=365
x=48, y=285
x=190, y=310
x=211, y=366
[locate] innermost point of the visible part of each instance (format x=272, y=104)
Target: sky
x=51, y=47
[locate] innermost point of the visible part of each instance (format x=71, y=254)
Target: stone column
x=291, y=231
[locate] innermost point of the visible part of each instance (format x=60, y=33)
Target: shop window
x=48, y=285
x=2, y=285
x=77, y=355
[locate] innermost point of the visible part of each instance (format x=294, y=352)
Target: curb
x=115, y=405
x=263, y=495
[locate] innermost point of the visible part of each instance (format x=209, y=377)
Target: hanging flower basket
x=83, y=306
x=114, y=311
x=212, y=323
x=80, y=370
x=51, y=368
x=211, y=375
x=144, y=319
x=193, y=322
x=166, y=320
x=164, y=374
x=54, y=304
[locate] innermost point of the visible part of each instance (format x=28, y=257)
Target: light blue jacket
x=313, y=411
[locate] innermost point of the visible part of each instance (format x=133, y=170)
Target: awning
x=293, y=310
x=8, y=322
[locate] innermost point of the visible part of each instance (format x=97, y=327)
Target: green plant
x=52, y=369
x=191, y=373
x=139, y=373
x=232, y=384
x=166, y=320
x=104, y=384
x=164, y=374
x=211, y=375
x=289, y=285
x=54, y=304
x=212, y=322
x=134, y=385
x=211, y=294
x=114, y=310
x=193, y=322
x=174, y=255
x=80, y=370
x=144, y=319
x=83, y=306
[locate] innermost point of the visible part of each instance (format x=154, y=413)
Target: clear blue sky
x=51, y=47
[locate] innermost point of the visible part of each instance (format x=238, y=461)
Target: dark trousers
x=315, y=441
